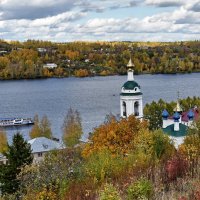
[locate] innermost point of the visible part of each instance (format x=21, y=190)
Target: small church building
x=176, y=126
x=131, y=96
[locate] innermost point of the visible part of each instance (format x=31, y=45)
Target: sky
x=102, y=20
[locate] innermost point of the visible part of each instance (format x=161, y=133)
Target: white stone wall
x=130, y=102
x=37, y=158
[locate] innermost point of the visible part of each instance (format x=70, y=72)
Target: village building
x=50, y=65
x=41, y=146
x=3, y=159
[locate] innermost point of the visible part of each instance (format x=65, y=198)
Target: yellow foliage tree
x=3, y=142
x=81, y=73
x=72, y=128
x=116, y=136
x=41, y=128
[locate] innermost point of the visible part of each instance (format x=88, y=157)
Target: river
x=93, y=97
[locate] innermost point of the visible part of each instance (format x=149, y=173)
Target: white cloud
x=182, y=23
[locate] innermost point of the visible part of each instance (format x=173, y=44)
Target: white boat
x=15, y=122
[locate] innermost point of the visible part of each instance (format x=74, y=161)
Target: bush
x=102, y=165
x=141, y=189
x=176, y=167
x=109, y=192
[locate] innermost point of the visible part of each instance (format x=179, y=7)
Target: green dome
x=130, y=85
x=130, y=88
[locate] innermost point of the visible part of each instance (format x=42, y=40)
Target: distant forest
x=26, y=60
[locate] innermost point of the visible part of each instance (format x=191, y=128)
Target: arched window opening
x=124, y=109
x=136, y=108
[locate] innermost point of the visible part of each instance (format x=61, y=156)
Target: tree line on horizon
x=25, y=60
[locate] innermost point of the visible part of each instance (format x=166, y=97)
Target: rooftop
x=169, y=130
x=42, y=144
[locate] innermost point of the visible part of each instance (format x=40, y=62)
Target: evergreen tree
x=72, y=128
x=18, y=155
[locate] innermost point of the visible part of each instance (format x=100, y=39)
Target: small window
x=39, y=154
x=135, y=89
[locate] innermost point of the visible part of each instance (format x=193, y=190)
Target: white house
x=50, y=65
x=41, y=145
x=42, y=50
x=3, y=159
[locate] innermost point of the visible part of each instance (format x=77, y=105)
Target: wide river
x=93, y=97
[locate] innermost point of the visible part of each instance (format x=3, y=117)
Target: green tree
x=109, y=192
x=72, y=128
x=141, y=189
x=18, y=155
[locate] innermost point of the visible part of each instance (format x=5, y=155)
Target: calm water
x=93, y=97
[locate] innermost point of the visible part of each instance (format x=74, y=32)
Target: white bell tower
x=131, y=96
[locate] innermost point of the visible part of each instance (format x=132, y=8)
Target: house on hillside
x=3, y=159
x=42, y=50
x=42, y=145
x=50, y=65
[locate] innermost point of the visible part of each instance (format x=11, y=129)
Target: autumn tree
x=72, y=128
x=41, y=128
x=45, y=127
x=81, y=73
x=116, y=136
x=3, y=142
x=35, y=131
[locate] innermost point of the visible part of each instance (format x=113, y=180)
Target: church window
x=136, y=108
x=124, y=109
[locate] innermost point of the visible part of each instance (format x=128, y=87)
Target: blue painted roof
x=190, y=114
x=43, y=144
x=176, y=116
x=165, y=114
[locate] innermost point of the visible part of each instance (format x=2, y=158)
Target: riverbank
x=97, y=75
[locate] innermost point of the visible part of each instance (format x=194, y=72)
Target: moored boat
x=15, y=122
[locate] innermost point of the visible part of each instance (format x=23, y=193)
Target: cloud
x=194, y=6
x=165, y=3
x=24, y=9
x=77, y=20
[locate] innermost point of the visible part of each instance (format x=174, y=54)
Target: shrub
x=141, y=189
x=176, y=167
x=102, y=165
x=109, y=192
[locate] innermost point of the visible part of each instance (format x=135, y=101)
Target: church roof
x=130, y=85
x=131, y=88
x=178, y=107
x=185, y=115
x=130, y=64
x=169, y=130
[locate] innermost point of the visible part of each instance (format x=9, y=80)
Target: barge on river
x=6, y=122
